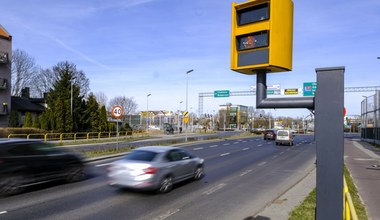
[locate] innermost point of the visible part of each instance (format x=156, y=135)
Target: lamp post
x=147, y=109
x=71, y=95
x=178, y=114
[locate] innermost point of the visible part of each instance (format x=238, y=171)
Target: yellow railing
x=78, y=136
x=349, y=211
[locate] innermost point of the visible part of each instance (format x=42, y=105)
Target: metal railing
x=349, y=211
x=80, y=136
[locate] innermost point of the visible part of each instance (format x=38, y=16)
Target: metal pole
x=147, y=110
x=187, y=85
x=329, y=105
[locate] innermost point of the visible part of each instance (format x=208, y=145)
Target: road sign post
x=329, y=107
x=117, y=112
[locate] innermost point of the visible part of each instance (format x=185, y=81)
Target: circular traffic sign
x=117, y=111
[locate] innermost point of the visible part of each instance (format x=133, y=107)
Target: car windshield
x=141, y=155
x=282, y=133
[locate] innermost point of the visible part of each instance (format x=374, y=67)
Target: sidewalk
x=363, y=162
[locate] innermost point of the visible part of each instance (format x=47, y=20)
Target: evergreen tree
x=65, y=115
x=93, y=112
x=103, y=119
x=28, y=121
x=13, y=119
x=45, y=125
x=36, y=122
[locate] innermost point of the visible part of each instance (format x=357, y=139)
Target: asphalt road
x=242, y=177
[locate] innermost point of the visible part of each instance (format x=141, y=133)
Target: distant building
x=5, y=76
x=233, y=117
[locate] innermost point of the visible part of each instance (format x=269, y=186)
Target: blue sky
x=138, y=47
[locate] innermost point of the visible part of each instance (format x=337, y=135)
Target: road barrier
x=349, y=211
x=79, y=136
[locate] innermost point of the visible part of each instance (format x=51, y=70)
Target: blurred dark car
x=155, y=168
x=270, y=134
x=25, y=163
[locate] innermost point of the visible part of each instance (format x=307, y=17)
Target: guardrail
x=79, y=136
x=349, y=211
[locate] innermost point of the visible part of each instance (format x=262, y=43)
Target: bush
x=4, y=132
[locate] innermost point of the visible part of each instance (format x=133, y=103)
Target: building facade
x=5, y=76
x=233, y=117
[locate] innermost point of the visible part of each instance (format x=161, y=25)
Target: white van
x=284, y=137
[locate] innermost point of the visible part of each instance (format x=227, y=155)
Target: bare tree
x=43, y=82
x=24, y=70
x=101, y=98
x=129, y=105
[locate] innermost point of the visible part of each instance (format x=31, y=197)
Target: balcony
x=3, y=57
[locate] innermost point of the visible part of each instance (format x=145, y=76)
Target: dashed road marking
x=213, y=145
x=247, y=148
x=275, y=156
x=226, y=144
x=259, y=145
x=3, y=212
x=282, y=152
x=214, y=189
x=245, y=172
x=262, y=163
x=198, y=148
x=103, y=165
x=225, y=154
x=236, y=142
x=167, y=214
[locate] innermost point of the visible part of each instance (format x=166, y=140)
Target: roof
x=4, y=33
x=24, y=104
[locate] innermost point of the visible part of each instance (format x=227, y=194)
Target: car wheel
x=12, y=185
x=75, y=173
x=166, y=185
x=199, y=173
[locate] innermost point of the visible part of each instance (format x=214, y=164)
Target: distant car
x=284, y=137
x=270, y=134
x=25, y=162
x=155, y=168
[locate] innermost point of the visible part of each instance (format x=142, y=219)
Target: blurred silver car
x=155, y=168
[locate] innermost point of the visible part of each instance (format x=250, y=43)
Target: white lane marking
x=214, y=189
x=226, y=144
x=245, y=172
x=3, y=212
x=275, y=156
x=102, y=165
x=225, y=154
x=167, y=214
x=236, y=142
x=282, y=152
x=198, y=148
x=364, y=159
x=213, y=145
x=259, y=145
x=247, y=148
x=262, y=163
x=244, y=141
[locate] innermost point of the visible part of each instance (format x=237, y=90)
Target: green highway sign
x=309, y=88
x=221, y=93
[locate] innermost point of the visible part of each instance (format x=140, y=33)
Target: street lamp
x=147, y=108
x=71, y=94
x=187, y=83
x=178, y=113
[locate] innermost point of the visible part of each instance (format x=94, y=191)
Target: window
x=253, y=14
x=254, y=40
x=141, y=155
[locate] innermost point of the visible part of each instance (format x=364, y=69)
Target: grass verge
x=306, y=210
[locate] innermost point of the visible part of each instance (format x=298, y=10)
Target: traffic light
x=262, y=36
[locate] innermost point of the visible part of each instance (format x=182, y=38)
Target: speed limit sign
x=117, y=111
